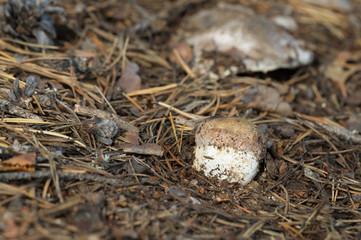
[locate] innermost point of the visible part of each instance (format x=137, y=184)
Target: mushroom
x=229, y=149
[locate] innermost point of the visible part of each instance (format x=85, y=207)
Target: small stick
x=181, y=138
x=243, y=209
x=147, y=149
x=185, y=67
x=133, y=102
x=115, y=43
x=11, y=176
x=168, y=164
x=46, y=188
x=37, y=103
x=174, y=130
x=331, y=127
x=24, y=120
x=214, y=112
x=55, y=134
x=122, y=51
x=106, y=100
x=291, y=230
x=174, y=157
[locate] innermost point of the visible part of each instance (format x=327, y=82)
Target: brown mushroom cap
x=231, y=132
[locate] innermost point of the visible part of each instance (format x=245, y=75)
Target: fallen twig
x=90, y=112
x=7, y=106
x=11, y=176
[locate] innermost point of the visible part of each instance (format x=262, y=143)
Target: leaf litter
x=100, y=102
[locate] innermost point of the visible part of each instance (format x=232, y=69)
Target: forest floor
x=97, y=126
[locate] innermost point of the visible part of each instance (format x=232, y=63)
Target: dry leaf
x=252, y=40
x=222, y=198
x=129, y=82
x=25, y=163
x=267, y=99
x=339, y=71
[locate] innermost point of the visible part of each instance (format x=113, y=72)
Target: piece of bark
x=103, y=129
x=146, y=149
x=8, y=107
x=90, y=112
x=132, y=137
x=44, y=100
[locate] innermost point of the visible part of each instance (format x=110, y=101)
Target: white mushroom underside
x=226, y=163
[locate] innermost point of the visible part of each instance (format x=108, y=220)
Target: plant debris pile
x=29, y=21
x=100, y=100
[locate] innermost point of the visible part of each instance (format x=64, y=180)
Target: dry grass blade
x=25, y=120
x=152, y=90
x=183, y=64
x=174, y=157
x=188, y=115
x=174, y=130
x=49, y=133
